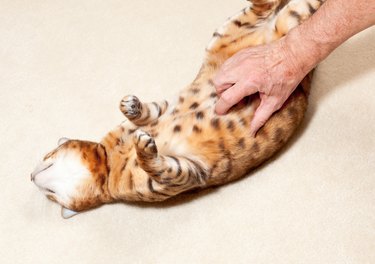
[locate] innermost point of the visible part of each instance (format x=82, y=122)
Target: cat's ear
x=62, y=140
x=67, y=213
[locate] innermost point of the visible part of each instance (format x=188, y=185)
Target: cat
x=164, y=149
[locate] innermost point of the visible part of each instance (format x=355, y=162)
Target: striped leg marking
x=177, y=174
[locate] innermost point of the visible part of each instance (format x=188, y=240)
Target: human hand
x=271, y=70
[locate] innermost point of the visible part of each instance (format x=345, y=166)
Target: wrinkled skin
x=269, y=69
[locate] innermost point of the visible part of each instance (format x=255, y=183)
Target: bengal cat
x=166, y=148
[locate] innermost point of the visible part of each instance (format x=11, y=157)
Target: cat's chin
x=60, y=175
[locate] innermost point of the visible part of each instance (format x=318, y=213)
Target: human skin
x=274, y=70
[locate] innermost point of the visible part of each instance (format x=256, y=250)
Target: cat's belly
x=203, y=135
x=223, y=143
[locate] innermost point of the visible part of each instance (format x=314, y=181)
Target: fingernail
x=217, y=111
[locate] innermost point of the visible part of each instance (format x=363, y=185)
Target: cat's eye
x=49, y=190
x=51, y=197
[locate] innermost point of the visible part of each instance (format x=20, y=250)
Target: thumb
x=264, y=111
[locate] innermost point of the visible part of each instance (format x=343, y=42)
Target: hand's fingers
x=222, y=82
x=232, y=96
x=264, y=111
x=223, y=88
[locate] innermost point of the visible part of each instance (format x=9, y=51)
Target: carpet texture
x=64, y=66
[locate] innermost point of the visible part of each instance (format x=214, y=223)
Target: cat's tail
x=306, y=83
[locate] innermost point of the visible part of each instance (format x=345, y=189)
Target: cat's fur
x=165, y=149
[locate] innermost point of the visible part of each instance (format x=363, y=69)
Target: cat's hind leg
x=176, y=174
x=139, y=113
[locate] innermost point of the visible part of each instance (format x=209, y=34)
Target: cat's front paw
x=131, y=107
x=144, y=142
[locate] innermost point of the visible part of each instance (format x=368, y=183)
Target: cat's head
x=74, y=175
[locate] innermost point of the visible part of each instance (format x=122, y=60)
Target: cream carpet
x=64, y=66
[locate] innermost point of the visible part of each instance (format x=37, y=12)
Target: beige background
x=64, y=65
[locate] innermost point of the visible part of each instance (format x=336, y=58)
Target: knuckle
x=216, y=80
x=261, y=120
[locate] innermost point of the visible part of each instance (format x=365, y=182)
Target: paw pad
x=131, y=106
x=145, y=142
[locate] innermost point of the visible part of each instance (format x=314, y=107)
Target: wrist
x=305, y=52
x=294, y=65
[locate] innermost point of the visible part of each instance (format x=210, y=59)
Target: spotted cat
x=165, y=148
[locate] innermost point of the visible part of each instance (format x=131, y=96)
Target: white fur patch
x=61, y=175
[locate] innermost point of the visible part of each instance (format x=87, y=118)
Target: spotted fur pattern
x=164, y=149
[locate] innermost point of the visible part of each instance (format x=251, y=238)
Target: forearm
x=328, y=28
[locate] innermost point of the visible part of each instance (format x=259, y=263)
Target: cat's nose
x=39, y=169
